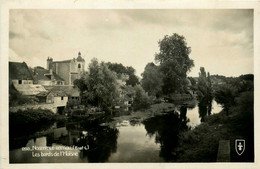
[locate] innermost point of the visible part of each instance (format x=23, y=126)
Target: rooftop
x=40, y=74
x=29, y=89
x=18, y=70
x=69, y=90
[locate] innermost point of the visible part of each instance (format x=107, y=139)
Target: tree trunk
x=227, y=113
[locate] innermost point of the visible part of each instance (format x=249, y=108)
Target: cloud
x=13, y=35
x=217, y=37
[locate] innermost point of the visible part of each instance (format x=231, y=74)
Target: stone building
x=46, y=77
x=69, y=70
x=21, y=79
x=56, y=98
x=19, y=73
x=72, y=92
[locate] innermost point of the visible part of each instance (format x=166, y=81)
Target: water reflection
x=101, y=140
x=152, y=140
x=166, y=129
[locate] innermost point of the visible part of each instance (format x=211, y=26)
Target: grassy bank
x=201, y=143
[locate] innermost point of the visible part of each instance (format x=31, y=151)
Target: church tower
x=80, y=63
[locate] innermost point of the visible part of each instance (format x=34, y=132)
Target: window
x=61, y=97
x=19, y=81
x=79, y=66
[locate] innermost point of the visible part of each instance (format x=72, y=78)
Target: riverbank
x=26, y=122
x=139, y=116
x=201, y=143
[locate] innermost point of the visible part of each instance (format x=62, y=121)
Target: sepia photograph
x=131, y=86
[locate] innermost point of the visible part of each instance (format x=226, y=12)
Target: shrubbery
x=28, y=121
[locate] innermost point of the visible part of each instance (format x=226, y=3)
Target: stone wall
x=63, y=70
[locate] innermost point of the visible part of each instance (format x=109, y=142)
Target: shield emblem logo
x=240, y=146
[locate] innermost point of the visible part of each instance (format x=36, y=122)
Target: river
x=151, y=140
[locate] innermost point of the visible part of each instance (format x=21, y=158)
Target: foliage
x=133, y=80
x=117, y=67
x=193, y=83
x=225, y=96
x=141, y=99
x=204, y=86
x=152, y=80
x=72, y=103
x=243, y=83
x=121, y=69
x=201, y=143
x=29, y=121
x=31, y=116
x=245, y=101
x=240, y=84
x=247, y=77
x=99, y=87
x=80, y=83
x=174, y=63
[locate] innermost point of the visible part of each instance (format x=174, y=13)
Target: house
x=46, y=77
x=29, y=89
x=57, y=98
x=72, y=92
x=69, y=70
x=21, y=78
x=19, y=73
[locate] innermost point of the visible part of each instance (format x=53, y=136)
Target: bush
x=225, y=96
x=219, y=118
x=28, y=121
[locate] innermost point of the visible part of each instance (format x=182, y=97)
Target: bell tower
x=80, y=63
x=49, y=63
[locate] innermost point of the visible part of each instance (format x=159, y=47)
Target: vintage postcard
x=111, y=85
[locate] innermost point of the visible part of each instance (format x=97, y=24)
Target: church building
x=69, y=70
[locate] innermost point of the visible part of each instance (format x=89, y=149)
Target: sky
x=221, y=40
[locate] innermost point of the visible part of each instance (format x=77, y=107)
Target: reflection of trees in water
x=166, y=129
x=205, y=107
x=102, y=141
x=183, y=113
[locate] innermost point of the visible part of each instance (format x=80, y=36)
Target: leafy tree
x=225, y=96
x=117, y=67
x=152, y=80
x=121, y=69
x=204, y=86
x=99, y=87
x=248, y=77
x=133, y=79
x=174, y=63
x=141, y=99
x=192, y=81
